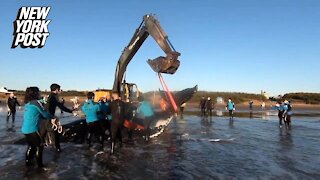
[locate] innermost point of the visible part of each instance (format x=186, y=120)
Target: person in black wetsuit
x=202, y=106
x=12, y=104
x=250, y=105
x=279, y=107
x=118, y=111
x=182, y=106
x=209, y=107
x=62, y=102
x=52, y=103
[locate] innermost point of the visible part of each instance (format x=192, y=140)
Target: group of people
x=206, y=106
x=108, y=114
x=284, y=113
x=38, y=112
x=263, y=105
x=284, y=109
x=104, y=119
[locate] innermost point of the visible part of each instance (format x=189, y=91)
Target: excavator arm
x=168, y=64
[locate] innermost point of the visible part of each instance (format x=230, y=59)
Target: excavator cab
x=100, y=94
x=129, y=92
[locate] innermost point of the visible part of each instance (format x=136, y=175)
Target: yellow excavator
x=129, y=92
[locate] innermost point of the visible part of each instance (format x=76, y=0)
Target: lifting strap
x=165, y=87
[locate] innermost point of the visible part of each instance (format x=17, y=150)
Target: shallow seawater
x=190, y=148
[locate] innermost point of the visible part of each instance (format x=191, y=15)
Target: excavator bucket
x=168, y=65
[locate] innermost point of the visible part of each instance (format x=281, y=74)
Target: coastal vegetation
x=237, y=97
x=307, y=98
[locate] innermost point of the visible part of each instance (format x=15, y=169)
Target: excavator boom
x=168, y=64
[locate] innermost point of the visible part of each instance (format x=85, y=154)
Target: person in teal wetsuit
x=104, y=117
x=33, y=113
x=230, y=107
x=145, y=111
x=91, y=110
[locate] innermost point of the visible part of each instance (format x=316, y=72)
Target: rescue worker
x=209, y=107
x=52, y=103
x=263, y=105
x=103, y=117
x=182, y=106
x=287, y=112
x=118, y=111
x=230, y=107
x=202, y=106
x=163, y=105
x=62, y=102
x=33, y=113
x=12, y=104
x=279, y=107
x=103, y=109
x=91, y=110
x=145, y=111
x=251, y=105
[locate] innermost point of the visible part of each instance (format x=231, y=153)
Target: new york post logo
x=31, y=27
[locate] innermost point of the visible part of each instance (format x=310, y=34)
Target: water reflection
x=219, y=113
x=206, y=121
x=285, y=138
x=10, y=127
x=175, y=153
x=231, y=123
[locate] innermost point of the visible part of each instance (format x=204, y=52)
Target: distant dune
x=299, y=100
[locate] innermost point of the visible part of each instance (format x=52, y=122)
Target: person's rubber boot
x=101, y=142
x=8, y=115
x=112, y=147
x=147, y=137
x=57, y=142
x=39, y=157
x=130, y=134
x=29, y=156
x=13, y=118
x=89, y=140
x=58, y=148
